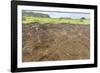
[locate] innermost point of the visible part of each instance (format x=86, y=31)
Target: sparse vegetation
x=28, y=20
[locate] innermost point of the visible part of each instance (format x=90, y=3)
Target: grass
x=28, y=20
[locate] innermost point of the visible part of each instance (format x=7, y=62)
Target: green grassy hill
x=29, y=20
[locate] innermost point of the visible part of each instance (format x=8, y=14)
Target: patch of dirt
x=49, y=42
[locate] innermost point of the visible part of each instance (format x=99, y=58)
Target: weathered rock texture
x=49, y=42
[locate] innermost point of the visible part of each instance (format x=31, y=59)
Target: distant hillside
x=24, y=13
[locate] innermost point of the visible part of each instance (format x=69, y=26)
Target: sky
x=74, y=15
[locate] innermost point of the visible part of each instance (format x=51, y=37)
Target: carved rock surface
x=49, y=42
